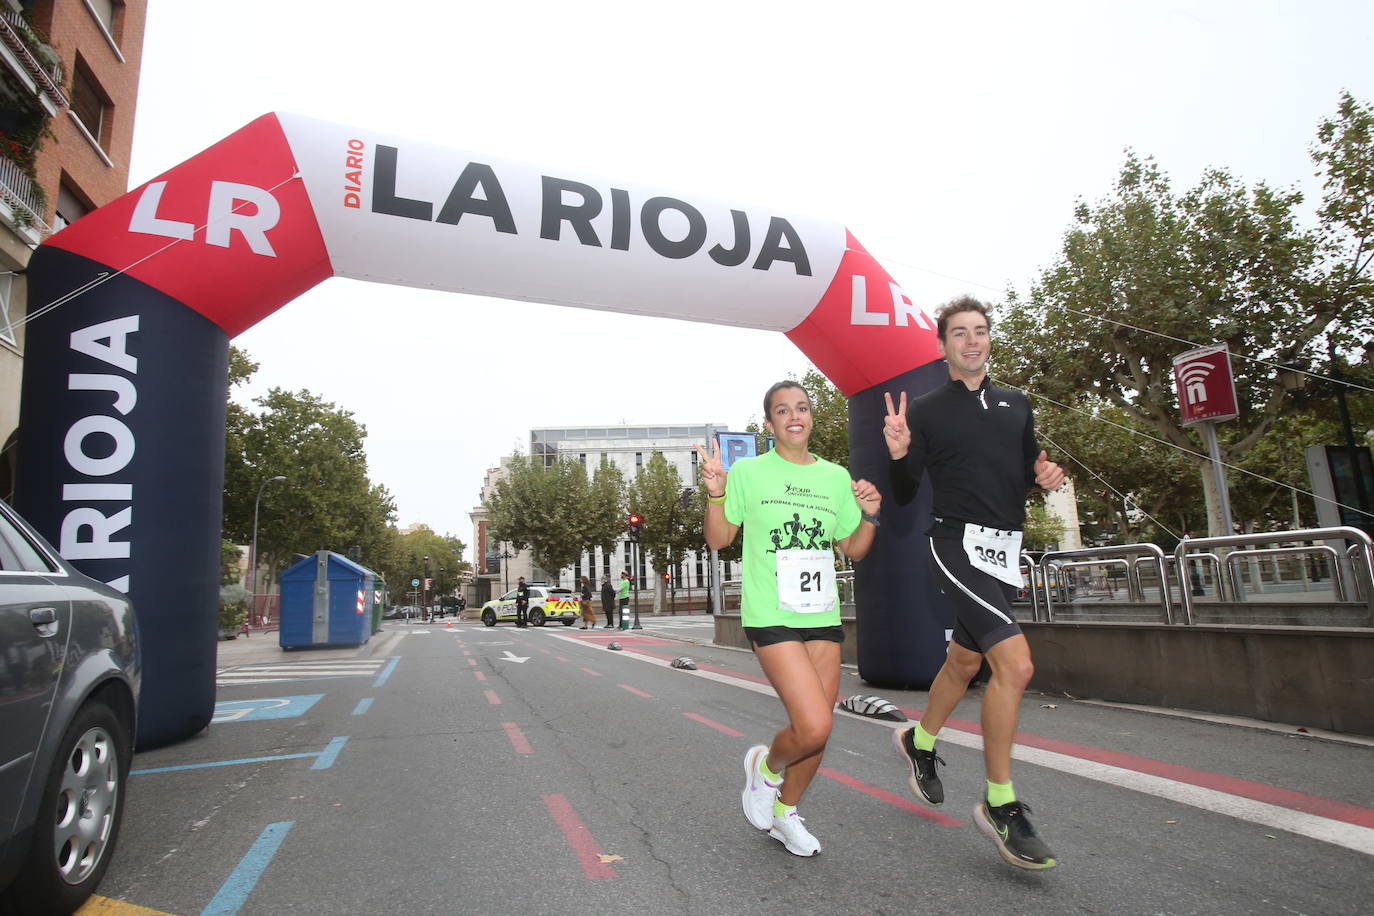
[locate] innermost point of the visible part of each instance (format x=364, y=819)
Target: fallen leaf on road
x=1048, y=706
x=1270, y=836
x=609, y=857
x=1171, y=822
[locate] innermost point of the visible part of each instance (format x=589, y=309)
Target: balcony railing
x=18, y=190
x=18, y=38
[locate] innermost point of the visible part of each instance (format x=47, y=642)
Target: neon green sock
x=780, y=810
x=768, y=773
x=1000, y=793
x=925, y=741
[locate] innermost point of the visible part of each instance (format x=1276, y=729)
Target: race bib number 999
x=806, y=581
x=995, y=552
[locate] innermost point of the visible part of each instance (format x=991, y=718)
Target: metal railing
x=1133, y=554
x=1235, y=556
x=18, y=36
x=1363, y=565
x=18, y=190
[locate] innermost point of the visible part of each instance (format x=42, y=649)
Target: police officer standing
x=522, y=603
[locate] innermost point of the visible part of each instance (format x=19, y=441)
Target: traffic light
x=635, y=521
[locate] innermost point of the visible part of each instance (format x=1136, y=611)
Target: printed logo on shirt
x=1003, y=404
x=798, y=536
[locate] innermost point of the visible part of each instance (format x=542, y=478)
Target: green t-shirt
x=624, y=590
x=788, y=507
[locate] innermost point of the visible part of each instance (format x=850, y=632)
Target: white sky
x=952, y=139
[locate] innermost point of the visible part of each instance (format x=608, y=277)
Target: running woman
x=789, y=607
x=977, y=442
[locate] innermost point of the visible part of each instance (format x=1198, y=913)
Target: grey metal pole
x=1209, y=431
x=253, y=588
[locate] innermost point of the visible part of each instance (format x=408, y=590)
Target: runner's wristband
x=871, y=519
x=714, y=500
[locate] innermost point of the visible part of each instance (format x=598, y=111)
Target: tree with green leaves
x=542, y=509
x=422, y=552
x=667, y=532
x=604, y=517
x=1220, y=263
x=326, y=501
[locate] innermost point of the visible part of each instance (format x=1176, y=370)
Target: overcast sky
x=953, y=140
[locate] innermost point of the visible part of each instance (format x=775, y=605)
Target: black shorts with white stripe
x=982, y=604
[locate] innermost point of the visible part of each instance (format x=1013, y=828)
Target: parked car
x=69, y=683
x=547, y=602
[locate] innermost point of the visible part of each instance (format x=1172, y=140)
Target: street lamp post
x=254, y=564
x=506, y=556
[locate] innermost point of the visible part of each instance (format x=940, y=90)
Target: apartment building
x=69, y=73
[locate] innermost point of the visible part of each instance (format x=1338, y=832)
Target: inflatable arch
x=133, y=306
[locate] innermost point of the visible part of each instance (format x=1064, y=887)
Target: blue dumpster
x=326, y=600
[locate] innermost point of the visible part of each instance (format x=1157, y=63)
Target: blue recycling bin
x=326, y=600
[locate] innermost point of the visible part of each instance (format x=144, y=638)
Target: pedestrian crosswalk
x=296, y=671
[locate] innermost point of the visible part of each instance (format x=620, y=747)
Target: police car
x=547, y=602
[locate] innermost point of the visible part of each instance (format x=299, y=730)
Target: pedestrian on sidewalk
x=622, y=595
x=789, y=605
x=608, y=600
x=977, y=443
x=588, y=612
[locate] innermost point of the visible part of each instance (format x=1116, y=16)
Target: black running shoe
x=924, y=781
x=1007, y=826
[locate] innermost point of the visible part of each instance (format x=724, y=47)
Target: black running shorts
x=982, y=604
x=768, y=636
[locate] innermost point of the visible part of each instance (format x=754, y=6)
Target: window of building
x=6, y=326
x=639, y=460
x=70, y=208
x=89, y=102
x=105, y=12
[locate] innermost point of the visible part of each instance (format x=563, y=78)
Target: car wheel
x=488, y=617
x=79, y=815
x=536, y=617
x=568, y=622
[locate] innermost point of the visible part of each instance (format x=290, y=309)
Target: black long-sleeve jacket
x=979, y=449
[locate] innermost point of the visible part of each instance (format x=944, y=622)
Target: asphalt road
x=461, y=769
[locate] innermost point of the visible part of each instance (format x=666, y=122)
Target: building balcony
x=32, y=62
x=22, y=202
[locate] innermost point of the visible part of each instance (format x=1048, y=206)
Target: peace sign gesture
x=895, y=430
x=712, y=471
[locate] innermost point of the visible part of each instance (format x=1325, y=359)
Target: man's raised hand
x=895, y=430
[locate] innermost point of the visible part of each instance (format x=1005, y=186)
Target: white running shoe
x=759, y=793
x=789, y=829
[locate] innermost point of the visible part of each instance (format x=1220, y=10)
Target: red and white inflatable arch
x=122, y=439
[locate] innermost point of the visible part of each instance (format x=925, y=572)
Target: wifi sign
x=1206, y=390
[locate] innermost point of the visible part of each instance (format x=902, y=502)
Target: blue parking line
x=363, y=706
x=386, y=672
x=220, y=763
x=323, y=760
x=233, y=893
x=329, y=754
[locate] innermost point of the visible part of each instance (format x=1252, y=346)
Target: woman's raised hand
x=712, y=471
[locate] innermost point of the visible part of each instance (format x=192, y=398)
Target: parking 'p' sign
x=734, y=446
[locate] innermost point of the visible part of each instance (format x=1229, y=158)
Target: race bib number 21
x=806, y=581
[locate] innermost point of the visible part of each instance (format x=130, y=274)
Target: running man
x=789, y=606
x=977, y=442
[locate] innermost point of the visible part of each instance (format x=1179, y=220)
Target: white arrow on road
x=512, y=657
